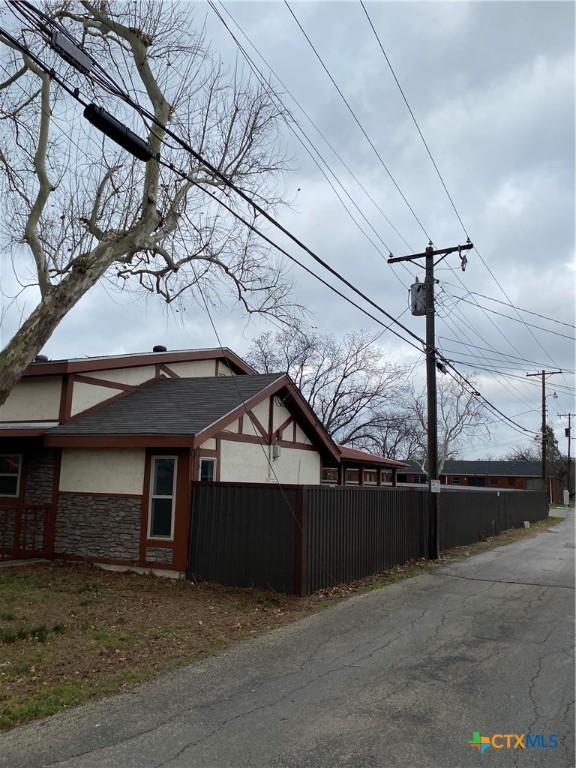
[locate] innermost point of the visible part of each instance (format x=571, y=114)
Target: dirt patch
x=72, y=632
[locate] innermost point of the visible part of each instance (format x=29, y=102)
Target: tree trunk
x=27, y=342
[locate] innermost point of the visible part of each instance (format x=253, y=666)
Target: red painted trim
x=234, y=438
x=283, y=426
x=100, y=493
x=258, y=425
x=119, y=441
x=270, y=418
x=104, y=383
x=170, y=373
x=235, y=362
x=66, y=397
x=24, y=432
x=300, y=446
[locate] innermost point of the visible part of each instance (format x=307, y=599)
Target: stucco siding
x=133, y=376
x=86, y=395
x=281, y=413
x=36, y=399
x=247, y=462
x=103, y=470
x=261, y=411
x=301, y=436
x=194, y=368
x=209, y=445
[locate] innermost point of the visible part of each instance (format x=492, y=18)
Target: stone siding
x=161, y=555
x=98, y=526
x=40, y=470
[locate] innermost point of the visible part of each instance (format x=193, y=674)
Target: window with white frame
x=162, y=497
x=207, y=470
x=10, y=471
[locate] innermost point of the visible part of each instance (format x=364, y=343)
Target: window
x=370, y=477
x=207, y=470
x=455, y=481
x=10, y=467
x=352, y=476
x=162, y=493
x=329, y=475
x=385, y=477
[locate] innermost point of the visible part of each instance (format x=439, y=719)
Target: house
x=98, y=455
x=358, y=467
x=486, y=473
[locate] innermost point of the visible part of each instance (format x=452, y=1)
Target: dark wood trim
x=182, y=512
x=299, y=446
x=66, y=398
x=207, y=453
x=240, y=423
x=145, y=507
x=24, y=432
x=119, y=441
x=104, y=383
x=27, y=421
x=235, y=362
x=285, y=424
x=216, y=367
x=294, y=431
x=168, y=371
x=100, y=493
x=270, y=418
x=258, y=425
x=235, y=438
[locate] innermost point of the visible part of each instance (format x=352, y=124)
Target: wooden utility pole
x=543, y=375
x=568, y=434
x=431, y=363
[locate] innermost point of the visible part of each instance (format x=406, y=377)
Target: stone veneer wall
x=98, y=526
x=40, y=470
x=159, y=555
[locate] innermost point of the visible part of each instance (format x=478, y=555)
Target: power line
x=315, y=125
x=514, y=319
x=358, y=122
x=520, y=309
x=464, y=229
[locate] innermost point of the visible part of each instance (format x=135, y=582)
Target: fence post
x=299, y=558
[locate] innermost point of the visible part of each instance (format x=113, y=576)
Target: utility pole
x=543, y=375
x=568, y=433
x=431, y=363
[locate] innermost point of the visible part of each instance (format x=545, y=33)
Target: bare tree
x=78, y=209
x=344, y=381
x=461, y=415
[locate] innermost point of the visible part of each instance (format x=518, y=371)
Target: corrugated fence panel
x=470, y=516
x=350, y=533
x=304, y=538
x=243, y=535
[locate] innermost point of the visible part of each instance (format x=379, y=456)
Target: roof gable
x=88, y=364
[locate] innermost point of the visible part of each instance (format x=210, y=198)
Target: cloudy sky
x=492, y=87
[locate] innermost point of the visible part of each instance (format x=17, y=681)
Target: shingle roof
x=354, y=454
x=486, y=467
x=169, y=406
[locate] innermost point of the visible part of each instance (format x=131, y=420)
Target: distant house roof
x=84, y=364
x=355, y=455
x=174, y=411
x=485, y=467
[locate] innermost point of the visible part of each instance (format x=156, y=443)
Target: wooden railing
x=24, y=531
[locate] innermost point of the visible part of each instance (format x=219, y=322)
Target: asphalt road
x=399, y=677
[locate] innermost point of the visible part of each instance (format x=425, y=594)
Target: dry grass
x=72, y=632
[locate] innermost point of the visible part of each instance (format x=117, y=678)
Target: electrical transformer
x=418, y=298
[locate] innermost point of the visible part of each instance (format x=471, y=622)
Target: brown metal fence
x=300, y=539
